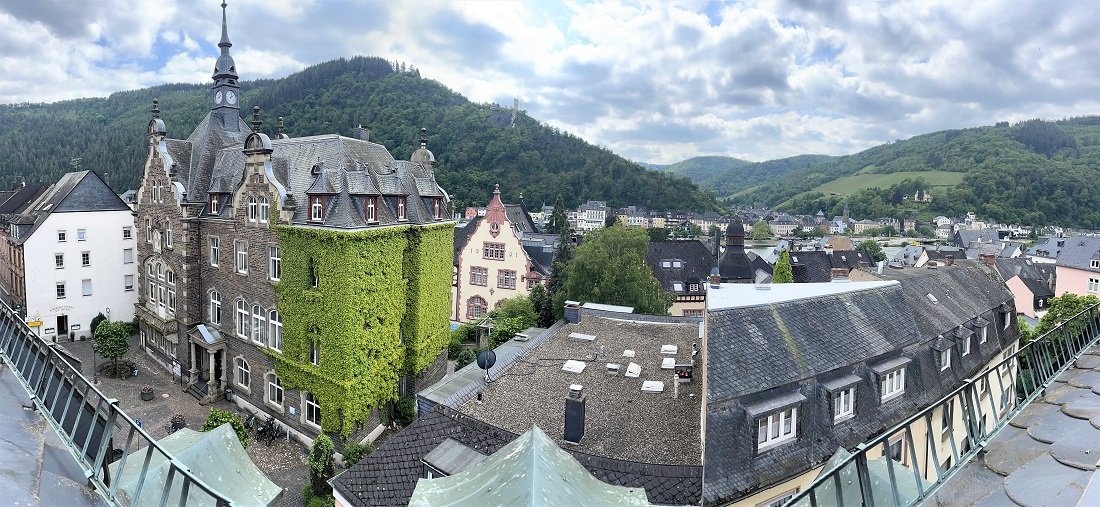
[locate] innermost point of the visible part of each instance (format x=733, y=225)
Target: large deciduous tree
x=609, y=267
x=760, y=230
x=112, y=341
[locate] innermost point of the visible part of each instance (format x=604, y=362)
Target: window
x=694, y=287
x=85, y=259
x=242, y=256
x=252, y=209
x=777, y=428
x=152, y=285
x=984, y=335
x=259, y=325
x=128, y=256
x=170, y=277
x=1093, y=283
x=965, y=345
x=214, y=204
x=945, y=359
x=693, y=313
x=148, y=230
x=214, y=250
x=479, y=275
x=312, y=408
x=506, y=279
x=947, y=415
x=372, y=209
x=59, y=288
x=779, y=500
x=274, y=389
x=314, y=351
x=61, y=236
x=242, y=319
x=127, y=233
x=493, y=250
x=1007, y=319
x=893, y=384
x=244, y=373
x=215, y=307
x=168, y=235
x=317, y=209
x=275, y=336
x=81, y=234
x=275, y=263
x=844, y=404
x=437, y=208
x=314, y=280
x=896, y=449
x=1094, y=263
x=476, y=308
x=86, y=287
x=128, y=282
x=401, y=211
x=264, y=210
x=59, y=260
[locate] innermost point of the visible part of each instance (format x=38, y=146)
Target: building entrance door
x=62, y=326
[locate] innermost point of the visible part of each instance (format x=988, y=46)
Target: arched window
x=251, y=209
x=259, y=325
x=263, y=210
x=274, y=390
x=244, y=373
x=162, y=296
x=311, y=408
x=242, y=319
x=476, y=307
x=215, y=307
x=170, y=284
x=275, y=337
x=152, y=284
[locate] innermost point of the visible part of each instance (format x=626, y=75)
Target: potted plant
x=178, y=422
x=147, y=393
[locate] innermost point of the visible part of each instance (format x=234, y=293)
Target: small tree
x=761, y=231
x=219, y=417
x=96, y=321
x=544, y=308
x=321, y=465
x=354, y=452
x=872, y=248
x=782, y=272
x=558, y=220
x=112, y=341
x=657, y=233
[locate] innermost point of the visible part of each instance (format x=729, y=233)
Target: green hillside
x=726, y=176
x=473, y=143
x=704, y=169
x=848, y=185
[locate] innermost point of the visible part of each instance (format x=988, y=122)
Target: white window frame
x=62, y=235
x=82, y=234
x=259, y=325
x=310, y=405
x=85, y=259
x=264, y=210
x=170, y=283
x=168, y=235
x=243, y=371
x=86, y=287
x=965, y=345
x=1094, y=263
x=148, y=230
x=945, y=359
x=59, y=260
x=127, y=255
x=214, y=204
x=59, y=290
x=214, y=312
x=275, y=334
x=844, y=404
x=274, y=263
x=127, y=232
x=314, y=351
x=892, y=384
x=316, y=209
x=242, y=319
x=984, y=335
x=1093, y=285
x=252, y=212
x=214, y=249
x=777, y=428
x=273, y=385
x=241, y=247
x=128, y=283
x=402, y=209
x=372, y=212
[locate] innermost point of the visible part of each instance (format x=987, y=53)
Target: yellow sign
x=34, y=323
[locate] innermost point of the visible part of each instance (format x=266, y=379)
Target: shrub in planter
x=178, y=421
x=146, y=393
x=219, y=417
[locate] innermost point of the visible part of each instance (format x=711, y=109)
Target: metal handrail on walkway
x=983, y=415
x=88, y=423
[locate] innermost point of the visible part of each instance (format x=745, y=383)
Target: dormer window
x=1094, y=264
x=372, y=209
x=214, y=204
x=317, y=209
x=437, y=209
x=401, y=209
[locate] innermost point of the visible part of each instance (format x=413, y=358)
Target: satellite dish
x=486, y=359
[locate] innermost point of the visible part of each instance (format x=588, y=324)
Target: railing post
x=864, y=477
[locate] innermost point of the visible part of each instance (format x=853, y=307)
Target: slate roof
x=22, y=197
x=1046, y=454
x=1078, y=252
x=1038, y=288
x=697, y=262
x=796, y=349
x=850, y=259
x=520, y=219
x=963, y=238
x=388, y=475
x=1048, y=247
x=1040, y=273
x=79, y=191
x=811, y=266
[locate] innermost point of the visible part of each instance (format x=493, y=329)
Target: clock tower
x=225, y=92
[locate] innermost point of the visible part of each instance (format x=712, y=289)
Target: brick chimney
x=361, y=132
x=989, y=259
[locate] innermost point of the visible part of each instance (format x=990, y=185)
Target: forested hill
x=1033, y=172
x=473, y=143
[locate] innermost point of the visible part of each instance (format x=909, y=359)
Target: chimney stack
x=989, y=259
x=574, y=414
x=715, y=279
x=361, y=132
x=572, y=312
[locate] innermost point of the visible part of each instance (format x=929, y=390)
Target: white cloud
x=655, y=81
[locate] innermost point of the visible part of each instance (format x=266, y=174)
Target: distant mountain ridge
x=476, y=145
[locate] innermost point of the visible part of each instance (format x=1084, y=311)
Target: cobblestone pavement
x=285, y=463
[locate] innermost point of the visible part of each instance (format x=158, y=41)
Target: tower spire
x=224, y=43
x=226, y=91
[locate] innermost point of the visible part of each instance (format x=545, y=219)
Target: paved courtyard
x=285, y=463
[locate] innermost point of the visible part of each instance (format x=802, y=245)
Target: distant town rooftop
x=621, y=421
x=739, y=295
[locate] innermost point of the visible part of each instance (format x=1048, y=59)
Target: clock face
x=231, y=97
x=218, y=97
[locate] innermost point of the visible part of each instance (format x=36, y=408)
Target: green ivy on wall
x=373, y=286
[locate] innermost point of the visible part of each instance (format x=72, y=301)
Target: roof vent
x=628, y=353
x=581, y=337
x=633, y=370
x=669, y=349
x=575, y=390
x=653, y=386
x=668, y=363
x=613, y=369
x=933, y=299
x=762, y=286
x=573, y=366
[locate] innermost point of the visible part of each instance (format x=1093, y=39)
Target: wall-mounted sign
x=74, y=327
x=58, y=309
x=48, y=330
x=34, y=323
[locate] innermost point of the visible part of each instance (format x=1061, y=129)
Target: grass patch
x=856, y=182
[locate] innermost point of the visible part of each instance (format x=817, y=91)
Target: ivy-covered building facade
x=309, y=276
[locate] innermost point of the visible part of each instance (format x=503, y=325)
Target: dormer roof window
x=402, y=208
x=214, y=202
x=370, y=209
x=317, y=208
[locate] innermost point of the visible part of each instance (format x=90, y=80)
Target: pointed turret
x=225, y=90
x=423, y=155
x=735, y=265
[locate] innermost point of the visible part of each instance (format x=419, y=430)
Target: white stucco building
x=75, y=245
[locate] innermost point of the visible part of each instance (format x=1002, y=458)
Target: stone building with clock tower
x=245, y=243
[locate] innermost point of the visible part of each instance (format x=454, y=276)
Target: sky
x=656, y=81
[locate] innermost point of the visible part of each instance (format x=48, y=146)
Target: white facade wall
x=107, y=270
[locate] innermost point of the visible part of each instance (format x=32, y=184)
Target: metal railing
x=88, y=423
x=1022, y=376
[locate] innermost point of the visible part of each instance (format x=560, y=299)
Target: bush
x=311, y=499
x=405, y=411
x=464, y=358
x=95, y=322
x=219, y=417
x=321, y=466
x=354, y=452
